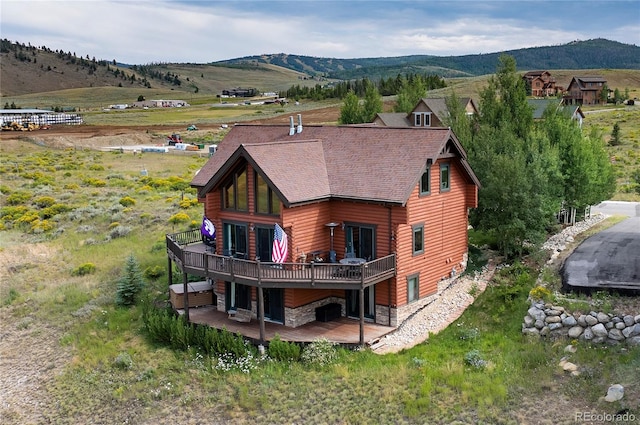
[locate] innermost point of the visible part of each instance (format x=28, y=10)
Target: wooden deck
x=188, y=252
x=344, y=331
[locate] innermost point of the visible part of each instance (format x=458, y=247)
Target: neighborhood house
x=586, y=91
x=327, y=222
x=541, y=83
x=428, y=112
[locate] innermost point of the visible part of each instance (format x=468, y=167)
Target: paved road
x=611, y=258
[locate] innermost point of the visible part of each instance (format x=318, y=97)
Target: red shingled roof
x=379, y=164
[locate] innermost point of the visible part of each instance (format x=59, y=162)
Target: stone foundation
x=547, y=320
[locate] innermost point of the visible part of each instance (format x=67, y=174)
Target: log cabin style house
x=320, y=222
x=586, y=91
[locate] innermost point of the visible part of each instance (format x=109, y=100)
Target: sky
x=143, y=32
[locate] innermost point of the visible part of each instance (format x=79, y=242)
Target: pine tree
x=130, y=283
x=615, y=135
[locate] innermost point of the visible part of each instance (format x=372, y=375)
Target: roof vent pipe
x=299, y=123
x=292, y=129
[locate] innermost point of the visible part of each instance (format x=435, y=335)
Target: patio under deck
x=344, y=331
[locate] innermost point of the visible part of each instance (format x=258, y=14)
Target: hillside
x=591, y=54
x=26, y=69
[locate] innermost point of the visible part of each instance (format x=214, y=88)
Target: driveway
x=609, y=259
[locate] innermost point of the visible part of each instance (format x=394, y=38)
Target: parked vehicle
x=173, y=139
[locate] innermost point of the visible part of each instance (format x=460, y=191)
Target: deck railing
x=324, y=275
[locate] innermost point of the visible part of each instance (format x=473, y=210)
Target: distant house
x=160, y=103
x=429, y=112
x=585, y=91
x=540, y=105
x=371, y=224
x=542, y=83
x=240, y=92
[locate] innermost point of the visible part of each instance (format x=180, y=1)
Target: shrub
x=127, y=201
x=154, y=272
x=119, y=232
x=187, y=203
x=41, y=226
x=54, y=210
x=19, y=197
x=179, y=218
x=130, y=284
x=44, y=201
x=123, y=361
x=283, y=351
x=540, y=293
x=170, y=329
x=13, y=213
x=84, y=269
x=320, y=352
x=474, y=359
x=91, y=181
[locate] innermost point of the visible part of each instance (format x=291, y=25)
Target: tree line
x=385, y=87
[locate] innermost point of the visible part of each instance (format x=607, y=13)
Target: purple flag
x=208, y=229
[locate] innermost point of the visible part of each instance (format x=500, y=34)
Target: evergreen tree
x=615, y=135
x=130, y=283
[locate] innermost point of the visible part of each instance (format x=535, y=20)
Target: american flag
x=279, y=251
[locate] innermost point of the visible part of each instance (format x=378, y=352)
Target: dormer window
x=422, y=119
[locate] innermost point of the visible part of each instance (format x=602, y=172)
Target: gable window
x=236, y=191
x=425, y=181
x=413, y=288
x=422, y=119
x=445, y=178
x=267, y=201
x=418, y=239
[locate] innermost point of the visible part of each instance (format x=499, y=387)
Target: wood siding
x=444, y=216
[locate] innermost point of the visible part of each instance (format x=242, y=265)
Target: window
x=425, y=181
x=444, y=178
x=422, y=119
x=418, y=239
x=267, y=201
x=235, y=192
x=413, y=288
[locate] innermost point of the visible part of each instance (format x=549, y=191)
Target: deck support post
x=261, y=313
x=169, y=267
x=186, y=294
x=361, y=294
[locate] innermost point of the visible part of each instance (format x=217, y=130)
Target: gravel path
x=437, y=315
x=453, y=301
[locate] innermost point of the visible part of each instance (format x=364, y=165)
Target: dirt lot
x=89, y=136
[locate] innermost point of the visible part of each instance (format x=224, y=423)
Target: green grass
x=435, y=382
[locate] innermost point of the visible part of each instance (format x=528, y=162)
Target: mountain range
x=26, y=69
x=590, y=54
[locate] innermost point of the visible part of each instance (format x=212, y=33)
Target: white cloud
x=203, y=31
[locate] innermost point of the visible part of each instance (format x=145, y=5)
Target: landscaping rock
x=603, y=318
x=575, y=332
x=614, y=393
x=591, y=320
x=569, y=321
x=599, y=330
